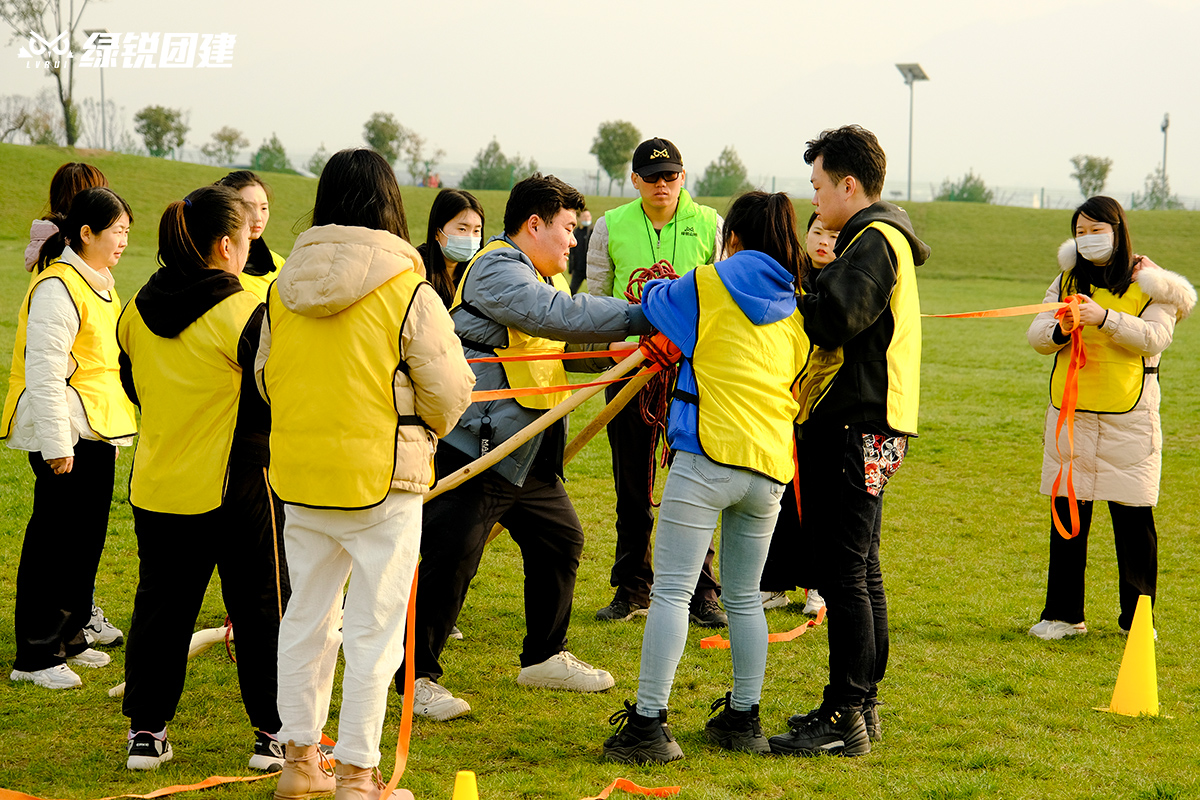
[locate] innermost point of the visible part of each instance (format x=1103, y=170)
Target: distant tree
x=225, y=145
x=385, y=135
x=494, y=170
x=162, y=129
x=271, y=157
x=1157, y=194
x=316, y=164
x=35, y=119
x=969, y=189
x=99, y=127
x=46, y=19
x=724, y=177
x=418, y=164
x=1091, y=172
x=613, y=148
x=14, y=111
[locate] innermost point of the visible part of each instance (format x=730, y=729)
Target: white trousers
x=377, y=549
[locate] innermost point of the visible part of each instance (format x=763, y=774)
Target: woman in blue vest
x=65, y=408
x=1128, y=315
x=730, y=429
x=199, y=487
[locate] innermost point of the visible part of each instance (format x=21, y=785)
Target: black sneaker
x=736, y=730
x=641, y=740
x=147, y=751
x=268, y=753
x=708, y=614
x=871, y=719
x=620, y=610
x=834, y=731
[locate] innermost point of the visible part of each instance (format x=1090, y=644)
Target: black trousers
x=1137, y=561
x=541, y=520
x=60, y=554
x=630, y=438
x=847, y=508
x=177, y=555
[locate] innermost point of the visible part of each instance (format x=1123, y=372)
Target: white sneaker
x=89, y=658
x=565, y=671
x=435, y=702
x=147, y=751
x=455, y=633
x=59, y=676
x=1125, y=632
x=1051, y=629
x=774, y=600
x=813, y=602
x=100, y=631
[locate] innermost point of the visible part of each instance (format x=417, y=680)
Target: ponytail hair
x=98, y=208
x=189, y=228
x=69, y=180
x=767, y=223
x=241, y=178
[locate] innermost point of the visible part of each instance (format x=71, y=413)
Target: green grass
x=975, y=708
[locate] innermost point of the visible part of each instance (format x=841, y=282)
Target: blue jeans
x=698, y=492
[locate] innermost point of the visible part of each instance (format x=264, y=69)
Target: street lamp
x=103, y=123
x=1166, y=124
x=912, y=73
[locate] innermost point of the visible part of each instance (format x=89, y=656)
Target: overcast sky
x=1016, y=88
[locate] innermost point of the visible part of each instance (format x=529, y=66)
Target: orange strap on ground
x=1011, y=311
x=629, y=786
x=207, y=783
x=1066, y=415
x=410, y=675
x=618, y=354
x=721, y=643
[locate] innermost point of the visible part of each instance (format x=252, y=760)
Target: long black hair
x=98, y=208
x=767, y=223
x=358, y=188
x=448, y=204
x=190, y=227
x=1117, y=274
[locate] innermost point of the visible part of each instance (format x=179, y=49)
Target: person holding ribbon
x=453, y=237
x=1128, y=308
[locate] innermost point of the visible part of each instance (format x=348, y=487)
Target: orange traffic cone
x=464, y=786
x=1136, y=692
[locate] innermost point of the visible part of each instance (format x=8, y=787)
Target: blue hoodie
x=762, y=289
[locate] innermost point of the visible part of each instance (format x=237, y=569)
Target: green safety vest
x=687, y=241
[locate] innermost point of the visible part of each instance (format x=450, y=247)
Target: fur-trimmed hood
x=1161, y=284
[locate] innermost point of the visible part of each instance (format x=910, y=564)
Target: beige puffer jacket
x=330, y=268
x=1118, y=457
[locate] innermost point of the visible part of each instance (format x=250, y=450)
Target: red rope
x=654, y=400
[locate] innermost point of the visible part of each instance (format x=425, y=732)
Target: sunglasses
x=669, y=177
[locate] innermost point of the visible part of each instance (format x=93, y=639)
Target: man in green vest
x=663, y=224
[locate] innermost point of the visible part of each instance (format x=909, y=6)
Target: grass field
x=975, y=708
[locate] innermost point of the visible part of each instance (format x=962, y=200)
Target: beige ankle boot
x=358, y=783
x=304, y=774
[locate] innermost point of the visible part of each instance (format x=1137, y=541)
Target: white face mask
x=461, y=248
x=1095, y=247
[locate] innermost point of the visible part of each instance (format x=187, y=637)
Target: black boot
x=872, y=720
x=736, y=730
x=839, y=731
x=641, y=740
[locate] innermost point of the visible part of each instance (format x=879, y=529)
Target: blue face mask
x=461, y=248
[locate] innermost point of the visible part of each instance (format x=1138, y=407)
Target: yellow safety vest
x=1111, y=381
x=95, y=374
x=189, y=387
x=331, y=385
x=904, y=350
x=527, y=374
x=260, y=283
x=744, y=378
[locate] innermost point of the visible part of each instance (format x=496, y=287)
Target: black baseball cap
x=656, y=155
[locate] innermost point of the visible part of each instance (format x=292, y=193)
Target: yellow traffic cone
x=464, y=786
x=1136, y=692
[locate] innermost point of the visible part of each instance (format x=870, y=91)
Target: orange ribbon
x=1011, y=311
x=410, y=675
x=721, y=643
x=618, y=354
x=1066, y=414
x=207, y=783
x=629, y=786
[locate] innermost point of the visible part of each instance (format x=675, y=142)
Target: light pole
x=1166, y=124
x=912, y=73
x=103, y=123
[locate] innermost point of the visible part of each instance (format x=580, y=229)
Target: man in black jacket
x=864, y=315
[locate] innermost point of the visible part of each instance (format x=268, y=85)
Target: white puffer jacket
x=1118, y=457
